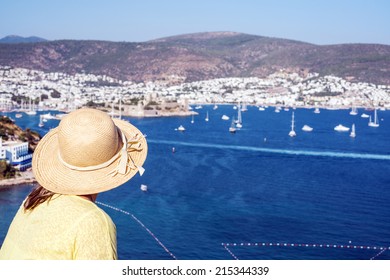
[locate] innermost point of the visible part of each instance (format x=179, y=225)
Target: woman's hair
x=37, y=196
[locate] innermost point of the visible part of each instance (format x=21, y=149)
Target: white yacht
x=225, y=118
x=365, y=116
x=307, y=128
x=341, y=128
x=144, y=188
x=181, y=128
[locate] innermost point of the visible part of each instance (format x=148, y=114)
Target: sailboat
x=353, y=111
x=239, y=118
x=31, y=111
x=232, y=128
x=375, y=122
x=40, y=121
x=192, y=120
x=207, y=116
x=353, y=132
x=292, y=132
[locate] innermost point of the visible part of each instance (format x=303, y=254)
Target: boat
x=244, y=107
x=192, y=120
x=261, y=109
x=48, y=116
x=181, y=128
x=307, y=128
x=207, y=116
x=353, y=132
x=31, y=111
x=225, y=118
x=365, y=116
x=317, y=110
x=375, y=122
x=18, y=115
x=353, y=111
x=239, y=118
x=215, y=107
x=292, y=131
x=41, y=124
x=341, y=128
x=232, y=128
x=144, y=188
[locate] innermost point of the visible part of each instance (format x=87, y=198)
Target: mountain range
x=14, y=39
x=201, y=56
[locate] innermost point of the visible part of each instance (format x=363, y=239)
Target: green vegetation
x=7, y=171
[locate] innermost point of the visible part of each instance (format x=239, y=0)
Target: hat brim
x=54, y=176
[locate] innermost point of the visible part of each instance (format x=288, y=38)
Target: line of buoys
x=230, y=252
x=282, y=244
x=141, y=224
x=380, y=253
x=300, y=245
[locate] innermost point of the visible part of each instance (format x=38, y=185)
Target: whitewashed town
x=23, y=89
x=28, y=91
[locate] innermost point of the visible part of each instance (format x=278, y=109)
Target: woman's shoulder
x=81, y=208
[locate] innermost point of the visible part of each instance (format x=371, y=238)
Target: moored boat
x=341, y=128
x=307, y=128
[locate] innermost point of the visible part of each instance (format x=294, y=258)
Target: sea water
x=208, y=187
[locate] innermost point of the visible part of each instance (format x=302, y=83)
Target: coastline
x=26, y=177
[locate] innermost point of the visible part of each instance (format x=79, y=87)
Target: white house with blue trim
x=16, y=154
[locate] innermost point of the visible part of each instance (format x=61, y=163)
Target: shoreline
x=26, y=177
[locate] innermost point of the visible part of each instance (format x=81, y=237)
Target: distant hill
x=202, y=56
x=14, y=39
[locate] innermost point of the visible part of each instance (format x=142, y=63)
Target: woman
x=88, y=153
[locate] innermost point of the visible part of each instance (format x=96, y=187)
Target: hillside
x=201, y=56
x=10, y=131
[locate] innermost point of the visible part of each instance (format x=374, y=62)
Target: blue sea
x=255, y=194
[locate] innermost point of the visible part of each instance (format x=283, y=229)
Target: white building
x=16, y=154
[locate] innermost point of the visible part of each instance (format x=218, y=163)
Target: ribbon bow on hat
x=125, y=160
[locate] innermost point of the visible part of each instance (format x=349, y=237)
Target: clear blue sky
x=313, y=21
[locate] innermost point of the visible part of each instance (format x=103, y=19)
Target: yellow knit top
x=65, y=228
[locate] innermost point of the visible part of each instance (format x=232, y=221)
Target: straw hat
x=85, y=154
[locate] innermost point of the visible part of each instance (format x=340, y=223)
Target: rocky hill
x=201, y=56
x=10, y=131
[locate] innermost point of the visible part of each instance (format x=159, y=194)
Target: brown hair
x=37, y=196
